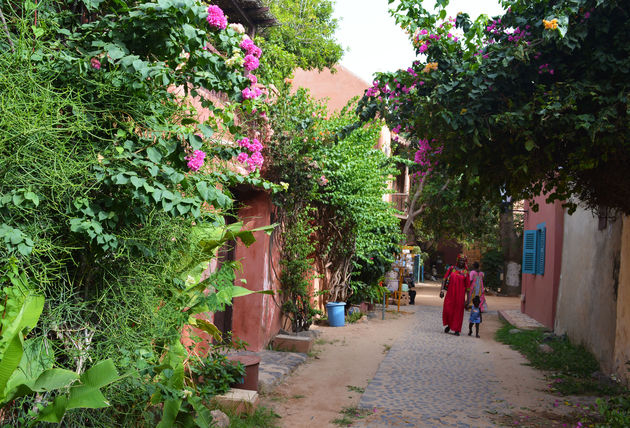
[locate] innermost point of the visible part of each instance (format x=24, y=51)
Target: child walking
x=475, y=316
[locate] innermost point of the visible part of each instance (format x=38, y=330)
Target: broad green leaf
x=154, y=154
x=169, y=414
x=204, y=417
x=88, y=397
x=54, y=412
x=206, y=326
x=101, y=374
x=23, y=322
x=54, y=379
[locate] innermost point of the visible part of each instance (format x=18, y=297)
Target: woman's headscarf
x=462, y=257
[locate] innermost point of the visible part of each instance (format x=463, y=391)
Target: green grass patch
x=349, y=415
x=353, y=388
x=263, y=417
x=571, y=366
x=354, y=317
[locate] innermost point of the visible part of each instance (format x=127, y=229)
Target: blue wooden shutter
x=529, y=251
x=416, y=268
x=540, y=255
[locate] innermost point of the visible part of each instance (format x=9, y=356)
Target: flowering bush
x=255, y=160
x=250, y=62
x=122, y=186
x=195, y=161
x=522, y=103
x=216, y=18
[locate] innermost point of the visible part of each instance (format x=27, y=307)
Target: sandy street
x=346, y=359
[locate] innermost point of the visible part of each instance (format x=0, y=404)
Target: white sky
x=372, y=40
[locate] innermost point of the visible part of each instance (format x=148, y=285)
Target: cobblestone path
x=429, y=378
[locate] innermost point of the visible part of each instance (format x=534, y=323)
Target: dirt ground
x=345, y=359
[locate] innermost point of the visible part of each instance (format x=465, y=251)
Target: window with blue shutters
x=529, y=251
x=534, y=250
x=541, y=237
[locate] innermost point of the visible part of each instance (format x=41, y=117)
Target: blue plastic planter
x=336, y=314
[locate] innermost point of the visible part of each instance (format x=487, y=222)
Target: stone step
x=240, y=401
x=286, y=342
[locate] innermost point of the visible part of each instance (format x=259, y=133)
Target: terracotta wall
x=338, y=88
x=256, y=317
x=539, y=292
x=621, y=357
x=587, y=302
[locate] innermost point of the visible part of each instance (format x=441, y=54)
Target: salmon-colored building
x=542, y=260
x=338, y=88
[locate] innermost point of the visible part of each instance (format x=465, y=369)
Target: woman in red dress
x=456, y=285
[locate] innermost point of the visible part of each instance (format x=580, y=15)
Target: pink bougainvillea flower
x=250, y=62
x=250, y=93
x=255, y=161
x=250, y=47
x=95, y=63
x=216, y=18
x=242, y=157
x=195, y=161
x=256, y=146
x=253, y=79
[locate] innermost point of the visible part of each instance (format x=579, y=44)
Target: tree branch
x=6, y=30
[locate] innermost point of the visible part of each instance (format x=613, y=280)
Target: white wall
x=587, y=306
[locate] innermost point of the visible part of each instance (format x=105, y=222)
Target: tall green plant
x=24, y=372
x=99, y=199
x=296, y=276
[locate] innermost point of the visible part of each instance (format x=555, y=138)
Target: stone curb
x=519, y=319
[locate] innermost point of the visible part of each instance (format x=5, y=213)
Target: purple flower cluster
x=498, y=29
x=373, y=90
x=216, y=18
x=255, y=160
x=95, y=63
x=250, y=47
x=195, y=161
x=423, y=157
x=251, y=92
x=250, y=62
x=544, y=68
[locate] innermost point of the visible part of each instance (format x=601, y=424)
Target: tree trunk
x=511, y=244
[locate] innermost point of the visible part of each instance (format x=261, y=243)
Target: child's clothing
x=475, y=315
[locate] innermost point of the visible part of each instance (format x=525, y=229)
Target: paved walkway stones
x=429, y=378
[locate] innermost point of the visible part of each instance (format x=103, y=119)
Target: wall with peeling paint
x=256, y=318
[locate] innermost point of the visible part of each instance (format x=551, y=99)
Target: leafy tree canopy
x=532, y=101
x=304, y=38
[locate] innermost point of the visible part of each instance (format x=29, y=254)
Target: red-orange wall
x=256, y=318
x=540, y=292
x=339, y=87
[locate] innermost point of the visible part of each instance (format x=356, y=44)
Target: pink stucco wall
x=540, y=292
x=338, y=87
x=256, y=317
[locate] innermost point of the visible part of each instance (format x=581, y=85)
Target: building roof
x=253, y=14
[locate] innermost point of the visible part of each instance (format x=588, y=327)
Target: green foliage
x=571, y=366
x=23, y=372
x=492, y=265
x=214, y=373
x=262, y=418
x=544, y=112
x=615, y=411
x=297, y=274
x=304, y=38
x=98, y=205
x=343, y=179
x=354, y=317
x=449, y=215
